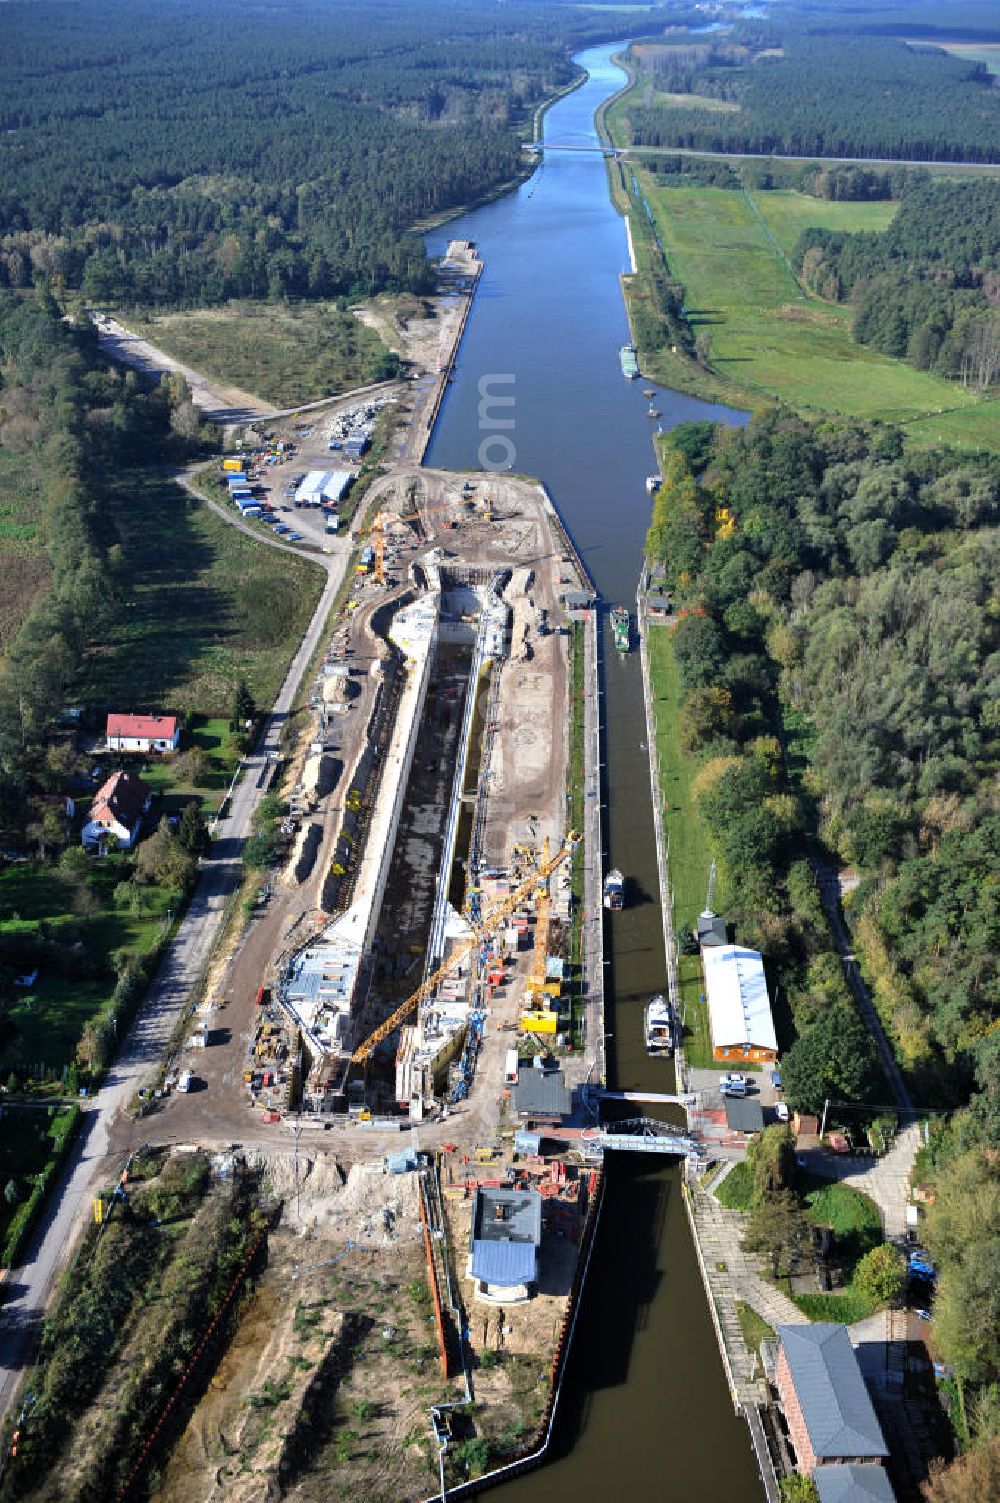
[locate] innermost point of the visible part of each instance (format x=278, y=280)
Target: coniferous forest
x=175, y=155
x=788, y=91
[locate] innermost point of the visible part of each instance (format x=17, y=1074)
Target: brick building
x=829, y=1414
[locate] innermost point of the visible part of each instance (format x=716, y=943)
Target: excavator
x=490, y=920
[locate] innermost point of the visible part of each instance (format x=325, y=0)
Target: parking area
x=759, y=1086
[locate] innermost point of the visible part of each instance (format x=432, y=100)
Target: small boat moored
x=621, y=628
x=659, y=1026
x=614, y=890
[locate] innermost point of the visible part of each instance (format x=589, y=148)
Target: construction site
x=388, y=1063
x=417, y=928
x=388, y=1057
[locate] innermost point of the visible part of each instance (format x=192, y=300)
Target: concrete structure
x=142, y=733
x=320, y=987
x=829, y=1414
x=506, y=1236
x=865, y=1483
x=321, y=486
x=739, y=1009
x=428, y=1046
x=117, y=811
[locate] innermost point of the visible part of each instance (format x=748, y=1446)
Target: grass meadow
x=281, y=352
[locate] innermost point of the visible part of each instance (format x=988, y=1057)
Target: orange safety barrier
x=435, y=1292
x=185, y=1377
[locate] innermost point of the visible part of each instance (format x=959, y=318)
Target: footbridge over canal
x=636, y=1135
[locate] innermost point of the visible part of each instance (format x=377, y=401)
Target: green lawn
x=857, y=1227
x=753, y=1326
x=170, y=777
x=737, y=1189
x=787, y=213
x=282, y=352
x=768, y=337
x=206, y=604
x=24, y=566
x=82, y=919
x=689, y=855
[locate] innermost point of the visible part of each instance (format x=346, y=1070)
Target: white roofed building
x=323, y=486
x=739, y=1008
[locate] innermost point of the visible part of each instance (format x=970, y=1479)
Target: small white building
x=117, y=811
x=142, y=733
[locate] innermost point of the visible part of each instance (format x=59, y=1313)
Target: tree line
x=831, y=95
x=839, y=655
x=926, y=289
x=77, y=419
x=197, y=157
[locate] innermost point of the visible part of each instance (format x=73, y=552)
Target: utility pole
x=822, y=1125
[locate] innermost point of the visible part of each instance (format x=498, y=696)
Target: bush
x=881, y=1275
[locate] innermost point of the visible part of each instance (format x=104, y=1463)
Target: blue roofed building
x=506, y=1236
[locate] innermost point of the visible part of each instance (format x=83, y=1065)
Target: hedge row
x=23, y=1222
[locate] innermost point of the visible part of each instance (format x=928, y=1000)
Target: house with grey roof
x=829, y=1414
x=865, y=1482
x=542, y=1096
x=744, y=1114
x=506, y=1236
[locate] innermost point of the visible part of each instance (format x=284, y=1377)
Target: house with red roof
x=142, y=733
x=117, y=811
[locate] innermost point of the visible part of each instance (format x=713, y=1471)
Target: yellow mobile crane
x=487, y=924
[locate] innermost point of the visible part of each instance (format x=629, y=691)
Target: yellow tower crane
x=377, y=531
x=543, y=904
x=487, y=924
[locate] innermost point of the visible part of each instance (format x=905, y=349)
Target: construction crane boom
x=490, y=920
x=378, y=526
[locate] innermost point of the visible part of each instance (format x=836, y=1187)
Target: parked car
x=734, y=1085
x=776, y=1080
x=781, y=1111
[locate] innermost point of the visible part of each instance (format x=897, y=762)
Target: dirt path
x=223, y=404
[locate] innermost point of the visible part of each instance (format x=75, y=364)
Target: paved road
x=29, y=1287
x=782, y=156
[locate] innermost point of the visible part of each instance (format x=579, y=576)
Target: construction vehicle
x=465, y=947
x=377, y=530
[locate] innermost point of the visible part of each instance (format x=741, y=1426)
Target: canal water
x=646, y=1411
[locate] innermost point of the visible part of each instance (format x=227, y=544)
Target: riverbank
x=585, y=431
x=766, y=338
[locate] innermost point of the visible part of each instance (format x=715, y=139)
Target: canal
x=646, y=1412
